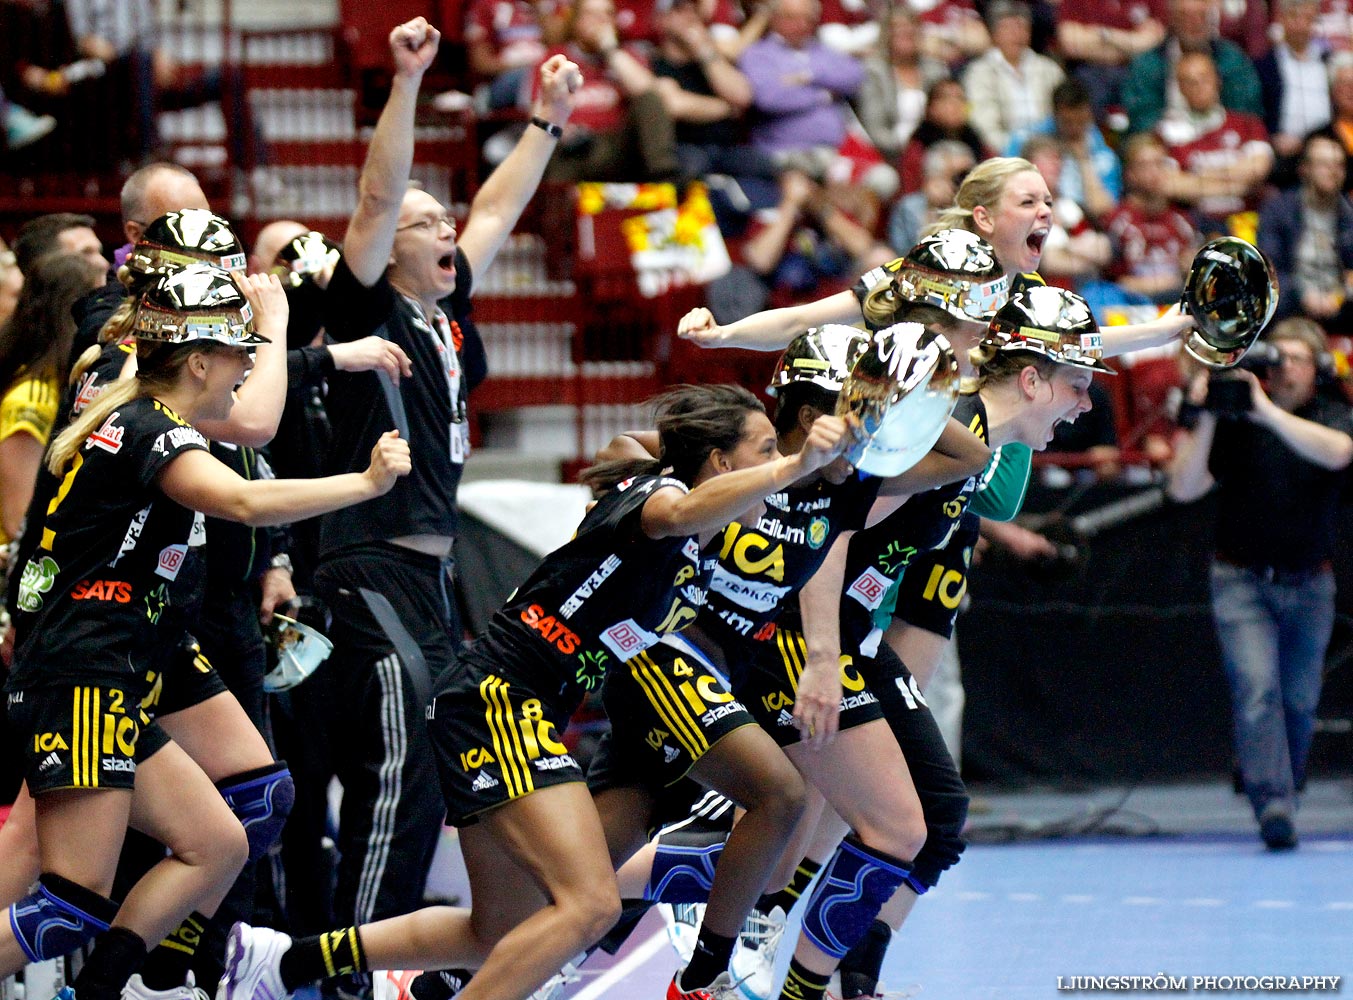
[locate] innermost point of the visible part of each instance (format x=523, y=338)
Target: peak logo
x=109, y=436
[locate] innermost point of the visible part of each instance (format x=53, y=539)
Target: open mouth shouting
x=1035, y=242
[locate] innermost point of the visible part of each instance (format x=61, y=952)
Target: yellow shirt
x=29, y=407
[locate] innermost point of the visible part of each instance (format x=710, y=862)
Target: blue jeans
x=1273, y=638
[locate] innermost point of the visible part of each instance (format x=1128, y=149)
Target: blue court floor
x=1174, y=881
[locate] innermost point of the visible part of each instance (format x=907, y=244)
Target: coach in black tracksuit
x=384, y=568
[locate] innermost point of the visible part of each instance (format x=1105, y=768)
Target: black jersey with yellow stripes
x=102, y=372
x=1025, y=279
x=109, y=548
x=879, y=556
x=760, y=566
x=604, y=596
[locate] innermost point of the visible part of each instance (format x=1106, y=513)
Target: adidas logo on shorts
x=784, y=718
x=484, y=782
x=670, y=753
x=52, y=760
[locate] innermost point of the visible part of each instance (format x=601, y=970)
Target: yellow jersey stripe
x=75, y=737
x=668, y=705
x=95, y=718
x=792, y=652
x=522, y=759
x=665, y=701
x=683, y=707
x=509, y=748
x=492, y=711
x=507, y=740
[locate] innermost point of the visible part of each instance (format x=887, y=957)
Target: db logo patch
x=869, y=588
x=627, y=638
x=171, y=561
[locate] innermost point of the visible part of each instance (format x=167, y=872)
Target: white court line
x=623, y=968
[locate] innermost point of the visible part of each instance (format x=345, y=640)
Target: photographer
x=1276, y=450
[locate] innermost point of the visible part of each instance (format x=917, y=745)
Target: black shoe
x=1277, y=831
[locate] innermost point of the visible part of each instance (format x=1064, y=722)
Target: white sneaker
x=753, y=963
x=136, y=989
x=393, y=984
x=554, y=986
x=253, y=965
x=683, y=927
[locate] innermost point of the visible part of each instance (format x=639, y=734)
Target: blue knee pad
x=853, y=888
x=59, y=918
x=262, y=800
x=683, y=870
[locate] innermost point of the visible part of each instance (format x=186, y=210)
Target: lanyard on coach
x=444, y=341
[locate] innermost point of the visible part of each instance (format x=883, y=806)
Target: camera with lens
x=1228, y=395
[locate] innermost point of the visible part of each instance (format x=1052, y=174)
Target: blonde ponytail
x=881, y=303
x=68, y=442
x=983, y=354
x=952, y=217
x=119, y=325
x=82, y=363
x=158, y=366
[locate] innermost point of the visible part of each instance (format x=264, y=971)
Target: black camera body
x=1229, y=396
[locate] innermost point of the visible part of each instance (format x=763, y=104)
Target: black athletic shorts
x=931, y=590
x=668, y=706
x=496, y=737
x=187, y=678
x=769, y=683
x=87, y=736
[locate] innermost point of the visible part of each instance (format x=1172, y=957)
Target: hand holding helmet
x=269, y=302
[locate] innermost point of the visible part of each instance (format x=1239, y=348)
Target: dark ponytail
x=692, y=422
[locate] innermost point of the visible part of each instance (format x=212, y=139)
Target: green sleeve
x=1000, y=494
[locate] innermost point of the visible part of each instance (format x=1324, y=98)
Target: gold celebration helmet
x=901, y=389
x=198, y=302
x=1231, y=292
x=177, y=239
x=304, y=256
x=1051, y=321
x=822, y=356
